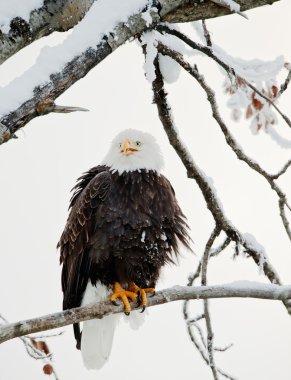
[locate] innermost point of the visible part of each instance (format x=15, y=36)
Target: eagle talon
x=141, y=294
x=124, y=295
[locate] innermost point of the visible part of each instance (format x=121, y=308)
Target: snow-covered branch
x=241, y=289
x=93, y=39
x=27, y=26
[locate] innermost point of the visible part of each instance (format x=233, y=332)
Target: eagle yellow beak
x=127, y=148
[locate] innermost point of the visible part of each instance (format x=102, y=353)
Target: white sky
x=39, y=169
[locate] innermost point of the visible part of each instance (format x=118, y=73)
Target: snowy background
x=39, y=169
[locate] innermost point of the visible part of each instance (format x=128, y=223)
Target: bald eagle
x=124, y=225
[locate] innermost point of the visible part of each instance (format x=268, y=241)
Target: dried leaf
x=41, y=346
x=275, y=91
x=256, y=103
x=249, y=112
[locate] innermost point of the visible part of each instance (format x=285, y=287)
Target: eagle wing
x=74, y=244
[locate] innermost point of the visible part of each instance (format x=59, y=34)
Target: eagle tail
x=97, y=334
x=97, y=339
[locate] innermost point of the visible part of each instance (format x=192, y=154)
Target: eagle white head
x=134, y=150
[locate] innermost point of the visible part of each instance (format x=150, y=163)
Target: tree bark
x=208, y=9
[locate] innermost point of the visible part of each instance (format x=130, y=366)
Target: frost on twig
x=37, y=348
x=245, y=93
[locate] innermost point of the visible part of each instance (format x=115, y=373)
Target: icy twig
x=230, y=71
x=193, y=71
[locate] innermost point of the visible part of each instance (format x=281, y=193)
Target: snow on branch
x=241, y=289
x=21, y=23
x=99, y=33
x=241, y=73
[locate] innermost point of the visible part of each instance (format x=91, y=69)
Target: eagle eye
x=138, y=143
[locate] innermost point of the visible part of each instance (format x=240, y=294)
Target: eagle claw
x=141, y=294
x=124, y=295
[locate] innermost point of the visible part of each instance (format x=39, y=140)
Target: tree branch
x=241, y=289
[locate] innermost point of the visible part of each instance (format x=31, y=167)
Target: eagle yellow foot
x=124, y=295
x=141, y=293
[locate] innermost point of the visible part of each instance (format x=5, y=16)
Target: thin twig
x=195, y=320
x=282, y=171
x=221, y=248
x=206, y=34
x=223, y=349
x=284, y=85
